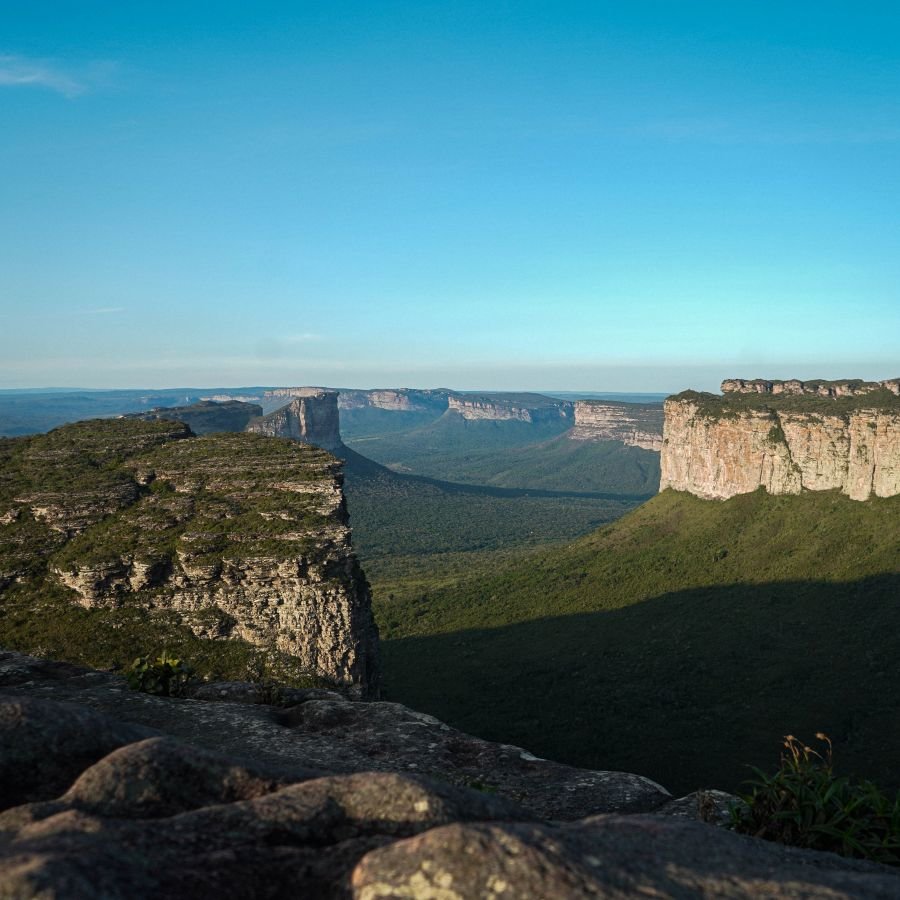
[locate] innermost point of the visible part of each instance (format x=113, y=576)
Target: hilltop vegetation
x=732, y=404
x=105, y=524
x=682, y=641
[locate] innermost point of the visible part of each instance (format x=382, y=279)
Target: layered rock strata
x=716, y=450
x=106, y=792
x=852, y=387
x=533, y=408
x=311, y=418
x=396, y=400
x=637, y=425
x=239, y=536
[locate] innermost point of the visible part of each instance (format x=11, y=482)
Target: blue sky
x=596, y=196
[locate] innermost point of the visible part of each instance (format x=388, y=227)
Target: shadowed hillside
x=682, y=641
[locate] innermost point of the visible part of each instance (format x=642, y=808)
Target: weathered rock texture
x=206, y=416
x=534, y=408
x=237, y=535
x=396, y=400
x=311, y=418
x=851, y=387
x=717, y=447
x=194, y=798
x=634, y=424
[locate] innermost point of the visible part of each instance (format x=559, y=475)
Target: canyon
x=819, y=436
x=532, y=408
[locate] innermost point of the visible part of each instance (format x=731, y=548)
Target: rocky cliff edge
x=109, y=793
x=720, y=446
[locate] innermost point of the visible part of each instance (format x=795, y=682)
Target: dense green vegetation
x=451, y=436
x=805, y=803
x=681, y=641
x=515, y=455
x=732, y=404
x=414, y=533
x=370, y=421
x=118, y=492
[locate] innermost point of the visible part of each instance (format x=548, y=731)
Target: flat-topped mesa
x=634, y=424
x=395, y=399
x=288, y=392
x=533, y=408
x=230, y=537
x=848, y=387
x=787, y=442
x=311, y=418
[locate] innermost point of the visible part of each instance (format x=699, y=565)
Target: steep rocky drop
x=842, y=437
x=326, y=798
x=235, y=537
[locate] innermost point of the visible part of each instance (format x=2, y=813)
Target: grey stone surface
x=130, y=795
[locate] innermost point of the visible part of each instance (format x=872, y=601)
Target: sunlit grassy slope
x=681, y=641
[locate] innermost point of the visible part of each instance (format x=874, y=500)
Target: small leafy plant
x=804, y=804
x=165, y=677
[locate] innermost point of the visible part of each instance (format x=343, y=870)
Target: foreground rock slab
x=109, y=793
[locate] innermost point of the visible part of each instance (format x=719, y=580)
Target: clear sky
x=582, y=196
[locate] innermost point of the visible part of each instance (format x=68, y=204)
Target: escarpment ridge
x=636, y=425
x=786, y=437
x=311, y=418
x=533, y=408
x=225, y=538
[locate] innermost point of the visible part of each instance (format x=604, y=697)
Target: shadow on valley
x=687, y=688
x=358, y=466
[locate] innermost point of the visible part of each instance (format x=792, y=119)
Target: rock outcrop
x=206, y=416
x=311, y=418
x=333, y=798
x=396, y=400
x=533, y=408
x=634, y=424
x=716, y=447
x=236, y=536
x=850, y=387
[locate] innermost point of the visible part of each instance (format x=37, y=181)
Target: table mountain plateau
x=230, y=537
x=311, y=418
x=786, y=437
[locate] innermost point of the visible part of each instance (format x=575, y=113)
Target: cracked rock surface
x=110, y=793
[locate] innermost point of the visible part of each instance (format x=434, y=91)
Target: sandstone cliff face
x=636, y=425
x=733, y=451
x=237, y=535
x=533, y=408
x=849, y=388
x=395, y=400
x=311, y=419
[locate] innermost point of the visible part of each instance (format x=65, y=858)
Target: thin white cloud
x=102, y=311
x=23, y=71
